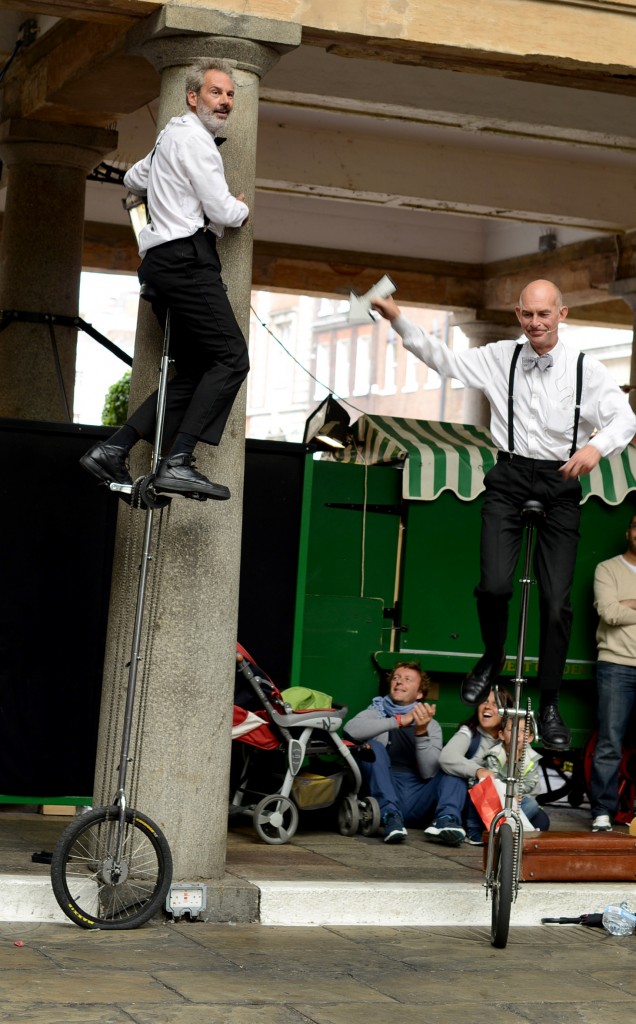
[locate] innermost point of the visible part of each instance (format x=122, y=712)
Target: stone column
x=41, y=258
x=481, y=328
x=626, y=289
x=180, y=778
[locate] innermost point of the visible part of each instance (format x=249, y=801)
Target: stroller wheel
x=348, y=816
x=370, y=816
x=275, y=819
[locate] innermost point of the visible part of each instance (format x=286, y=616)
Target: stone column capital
x=62, y=145
x=178, y=35
x=484, y=326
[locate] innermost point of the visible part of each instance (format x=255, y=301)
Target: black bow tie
x=218, y=141
x=543, y=362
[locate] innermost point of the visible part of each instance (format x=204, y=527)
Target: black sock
x=183, y=445
x=125, y=437
x=548, y=697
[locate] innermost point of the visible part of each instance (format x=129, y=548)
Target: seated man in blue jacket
x=407, y=742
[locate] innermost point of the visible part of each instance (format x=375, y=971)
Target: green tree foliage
x=115, y=409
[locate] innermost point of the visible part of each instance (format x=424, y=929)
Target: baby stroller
x=286, y=760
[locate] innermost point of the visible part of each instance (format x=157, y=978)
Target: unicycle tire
x=83, y=878
x=502, y=885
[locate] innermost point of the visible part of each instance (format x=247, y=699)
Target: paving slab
x=250, y=974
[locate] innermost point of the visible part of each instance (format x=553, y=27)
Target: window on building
x=343, y=363
x=390, y=366
x=362, y=368
x=257, y=379
x=280, y=374
x=331, y=307
x=410, y=373
x=323, y=370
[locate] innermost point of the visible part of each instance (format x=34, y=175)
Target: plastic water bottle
x=619, y=920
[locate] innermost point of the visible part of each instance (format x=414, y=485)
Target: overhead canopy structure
x=452, y=457
x=419, y=140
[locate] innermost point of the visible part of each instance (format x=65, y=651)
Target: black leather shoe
x=553, y=732
x=108, y=463
x=176, y=476
x=480, y=681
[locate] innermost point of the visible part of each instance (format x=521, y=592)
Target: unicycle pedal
x=149, y=496
x=123, y=491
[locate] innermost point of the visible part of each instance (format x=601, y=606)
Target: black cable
x=363, y=412
x=29, y=31
x=8, y=64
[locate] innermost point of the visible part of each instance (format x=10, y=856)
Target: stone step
x=426, y=903
x=372, y=904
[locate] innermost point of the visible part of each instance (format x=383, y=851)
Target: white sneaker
x=446, y=830
x=602, y=823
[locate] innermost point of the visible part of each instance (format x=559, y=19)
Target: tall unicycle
x=505, y=836
x=112, y=866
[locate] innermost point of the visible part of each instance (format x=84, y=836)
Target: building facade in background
x=301, y=349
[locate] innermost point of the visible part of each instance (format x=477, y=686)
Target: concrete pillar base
x=232, y=899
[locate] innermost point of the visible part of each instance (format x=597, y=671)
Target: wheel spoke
x=92, y=888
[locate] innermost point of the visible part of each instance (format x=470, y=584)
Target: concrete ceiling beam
x=502, y=184
x=611, y=128
x=585, y=44
x=323, y=271
x=78, y=73
x=570, y=40
x=111, y=248
x=582, y=271
x=106, y=12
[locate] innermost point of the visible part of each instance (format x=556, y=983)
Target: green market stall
x=389, y=557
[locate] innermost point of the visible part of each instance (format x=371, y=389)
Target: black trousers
x=508, y=485
x=206, y=343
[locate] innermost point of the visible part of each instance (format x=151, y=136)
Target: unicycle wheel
x=95, y=890
x=502, y=885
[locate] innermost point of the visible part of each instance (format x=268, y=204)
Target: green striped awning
x=450, y=457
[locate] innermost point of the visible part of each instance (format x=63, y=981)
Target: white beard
x=208, y=118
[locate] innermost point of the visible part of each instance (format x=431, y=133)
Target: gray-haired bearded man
x=190, y=206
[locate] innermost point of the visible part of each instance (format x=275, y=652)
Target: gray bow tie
x=543, y=362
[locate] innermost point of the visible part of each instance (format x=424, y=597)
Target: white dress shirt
x=543, y=400
x=184, y=180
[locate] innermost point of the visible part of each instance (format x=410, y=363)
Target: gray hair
x=196, y=73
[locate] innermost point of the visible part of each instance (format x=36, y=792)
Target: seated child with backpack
x=495, y=762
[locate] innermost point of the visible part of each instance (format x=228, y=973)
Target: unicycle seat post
x=532, y=512
x=149, y=295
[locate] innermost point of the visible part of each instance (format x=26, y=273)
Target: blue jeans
x=451, y=796
x=403, y=793
x=616, y=686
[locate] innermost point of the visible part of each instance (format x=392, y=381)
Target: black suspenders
x=511, y=402
x=577, y=407
x=511, y=385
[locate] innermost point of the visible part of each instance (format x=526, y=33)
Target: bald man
x=543, y=449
